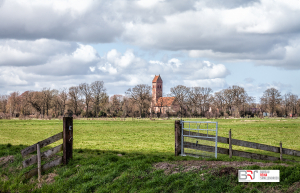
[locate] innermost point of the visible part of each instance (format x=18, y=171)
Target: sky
x=208, y=43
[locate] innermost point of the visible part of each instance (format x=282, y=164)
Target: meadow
x=113, y=155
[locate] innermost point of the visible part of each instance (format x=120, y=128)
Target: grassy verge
x=97, y=167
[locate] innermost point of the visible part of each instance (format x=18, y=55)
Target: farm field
x=142, y=143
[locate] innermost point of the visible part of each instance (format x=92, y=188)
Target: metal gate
x=199, y=139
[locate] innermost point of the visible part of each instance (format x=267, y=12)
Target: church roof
x=156, y=78
x=165, y=101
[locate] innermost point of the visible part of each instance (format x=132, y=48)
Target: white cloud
x=156, y=62
x=83, y=21
x=126, y=59
x=208, y=70
x=216, y=83
x=81, y=63
x=85, y=53
x=147, y=4
x=191, y=69
x=47, y=41
x=190, y=73
x=112, y=55
x=31, y=53
x=257, y=90
x=123, y=61
x=289, y=61
x=92, y=68
x=79, y=6
x=254, y=31
x=247, y=30
x=46, y=57
x=174, y=62
x=10, y=55
x=276, y=53
x=9, y=77
x=108, y=68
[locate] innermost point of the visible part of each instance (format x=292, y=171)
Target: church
x=160, y=104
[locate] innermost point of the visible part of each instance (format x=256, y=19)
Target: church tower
x=157, y=86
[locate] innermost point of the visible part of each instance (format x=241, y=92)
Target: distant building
x=265, y=114
x=159, y=103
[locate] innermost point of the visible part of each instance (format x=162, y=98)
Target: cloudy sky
x=208, y=43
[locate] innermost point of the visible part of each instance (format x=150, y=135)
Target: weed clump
x=226, y=172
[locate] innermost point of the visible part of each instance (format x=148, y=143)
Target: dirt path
x=185, y=166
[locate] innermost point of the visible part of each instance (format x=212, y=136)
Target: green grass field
x=142, y=144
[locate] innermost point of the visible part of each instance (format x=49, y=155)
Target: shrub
x=102, y=114
x=208, y=115
x=226, y=115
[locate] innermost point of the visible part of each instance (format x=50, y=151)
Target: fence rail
x=43, y=143
x=33, y=159
x=231, y=142
x=66, y=147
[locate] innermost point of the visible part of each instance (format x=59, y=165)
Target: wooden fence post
x=280, y=151
x=177, y=138
x=230, y=146
x=68, y=139
x=38, y=149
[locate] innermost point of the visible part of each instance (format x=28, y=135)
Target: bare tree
x=181, y=94
x=3, y=103
x=25, y=108
x=56, y=103
x=128, y=106
x=59, y=101
x=13, y=102
x=250, y=101
x=74, y=94
x=241, y=97
x=86, y=91
x=35, y=99
x=140, y=94
x=63, y=96
x=298, y=105
x=286, y=103
x=294, y=103
x=219, y=100
x=47, y=97
x=195, y=99
x=104, y=102
x=229, y=98
x=206, y=93
x=235, y=97
x=98, y=91
x=271, y=98
x=199, y=98
x=290, y=102
x=116, y=102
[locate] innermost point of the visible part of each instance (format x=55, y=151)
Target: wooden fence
x=230, y=142
x=66, y=147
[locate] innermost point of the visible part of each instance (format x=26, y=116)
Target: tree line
x=234, y=101
x=91, y=100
